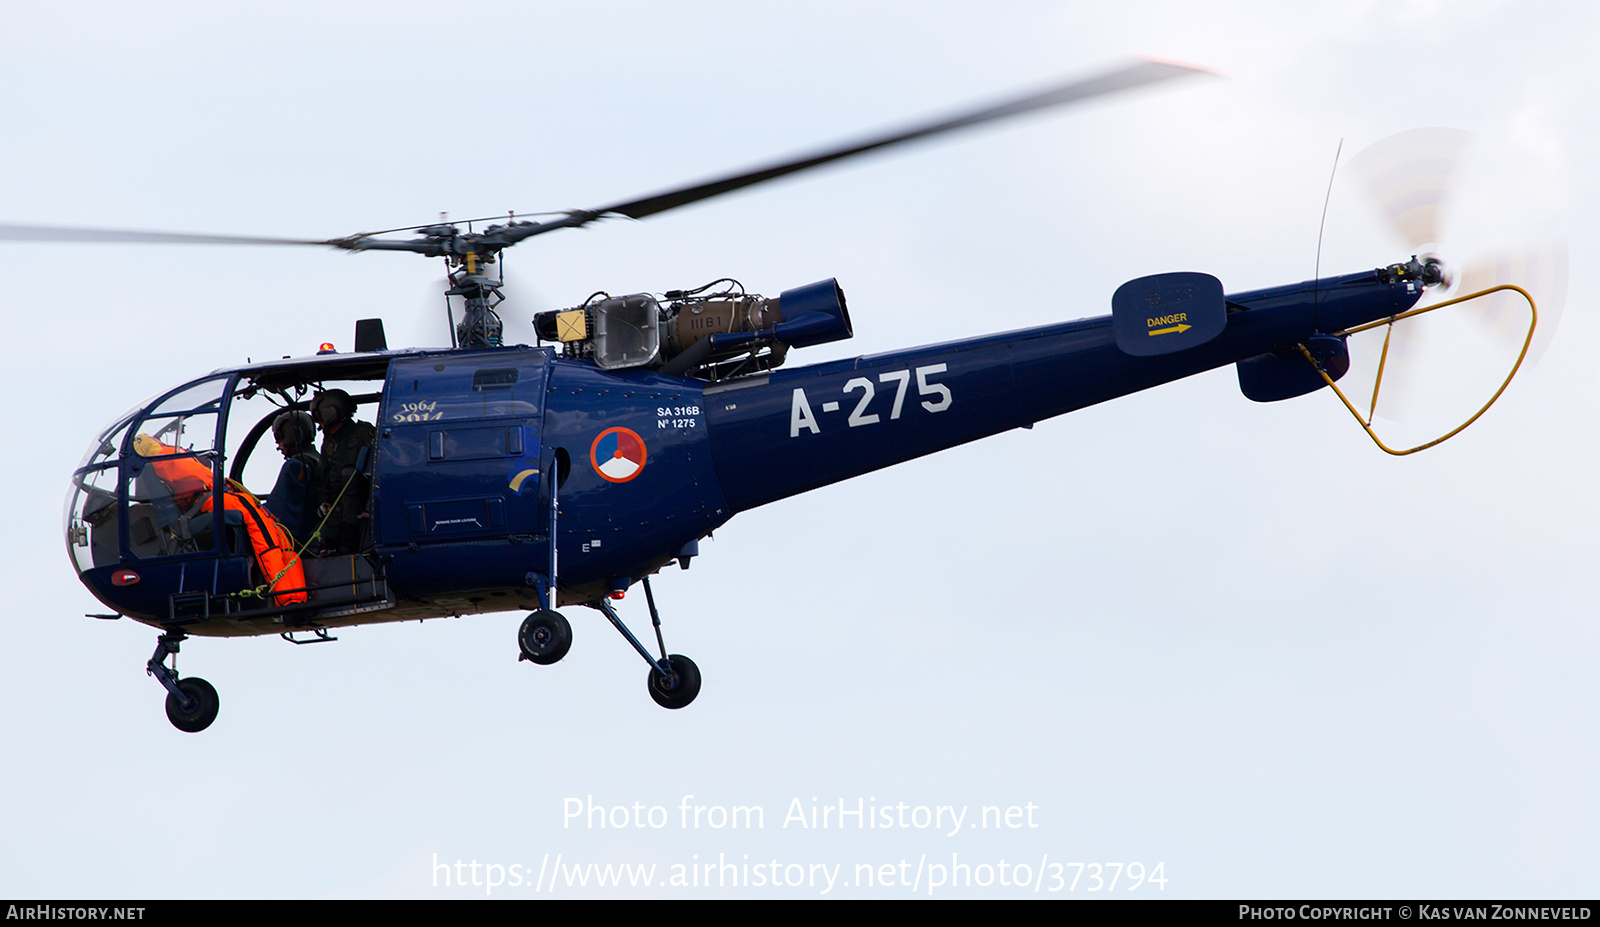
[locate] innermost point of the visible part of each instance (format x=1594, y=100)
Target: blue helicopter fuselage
x=472, y=445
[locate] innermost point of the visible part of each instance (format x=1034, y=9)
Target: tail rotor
x=1411, y=180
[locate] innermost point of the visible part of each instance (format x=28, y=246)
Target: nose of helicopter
x=91, y=509
x=96, y=522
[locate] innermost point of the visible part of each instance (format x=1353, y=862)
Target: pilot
x=344, y=489
x=295, y=497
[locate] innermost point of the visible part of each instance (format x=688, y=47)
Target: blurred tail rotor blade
x=1539, y=269
x=1410, y=177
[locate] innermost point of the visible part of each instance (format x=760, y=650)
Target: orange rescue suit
x=189, y=478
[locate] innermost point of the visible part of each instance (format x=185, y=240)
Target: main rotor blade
x=1125, y=78
x=124, y=236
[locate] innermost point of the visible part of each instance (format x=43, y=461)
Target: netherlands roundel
x=618, y=454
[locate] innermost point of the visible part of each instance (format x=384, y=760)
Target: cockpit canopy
x=149, y=481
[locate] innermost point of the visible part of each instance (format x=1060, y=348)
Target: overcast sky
x=1230, y=639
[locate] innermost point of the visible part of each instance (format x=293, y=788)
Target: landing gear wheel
x=545, y=637
x=205, y=707
x=678, y=689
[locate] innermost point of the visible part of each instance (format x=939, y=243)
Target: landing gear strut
x=191, y=703
x=546, y=636
x=674, y=680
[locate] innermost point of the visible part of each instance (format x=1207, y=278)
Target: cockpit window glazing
x=166, y=461
x=170, y=477
x=92, y=522
x=163, y=458
x=106, y=447
x=251, y=457
x=194, y=433
x=206, y=395
x=108, y=444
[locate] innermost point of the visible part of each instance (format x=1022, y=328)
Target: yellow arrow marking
x=1175, y=328
x=516, y=481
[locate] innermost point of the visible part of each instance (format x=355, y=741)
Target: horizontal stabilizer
x=1164, y=313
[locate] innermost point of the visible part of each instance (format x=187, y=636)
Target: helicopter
x=506, y=476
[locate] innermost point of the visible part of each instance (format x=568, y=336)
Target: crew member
x=190, y=482
x=295, y=497
x=344, y=489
